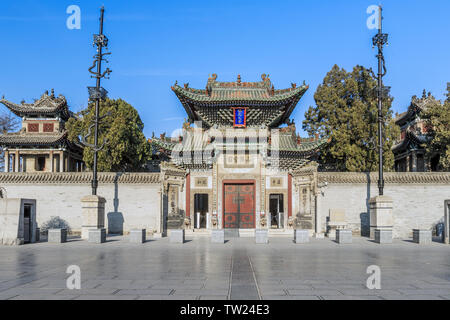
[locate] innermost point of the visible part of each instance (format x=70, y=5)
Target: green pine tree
x=437, y=119
x=126, y=148
x=346, y=111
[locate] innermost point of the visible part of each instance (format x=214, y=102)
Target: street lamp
x=379, y=40
x=96, y=94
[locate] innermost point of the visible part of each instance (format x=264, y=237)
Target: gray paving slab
x=147, y=292
x=44, y=297
x=343, y=297
x=290, y=298
x=240, y=269
x=412, y=297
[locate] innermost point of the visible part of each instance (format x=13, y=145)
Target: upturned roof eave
x=20, y=110
x=11, y=139
x=203, y=99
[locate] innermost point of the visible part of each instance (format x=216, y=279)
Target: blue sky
x=154, y=43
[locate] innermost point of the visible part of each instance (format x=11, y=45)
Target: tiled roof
x=417, y=105
x=287, y=143
x=47, y=105
x=265, y=105
x=21, y=138
x=389, y=177
x=77, y=177
x=239, y=94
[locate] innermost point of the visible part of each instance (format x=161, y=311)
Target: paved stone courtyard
x=238, y=269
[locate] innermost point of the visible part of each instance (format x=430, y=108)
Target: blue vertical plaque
x=240, y=117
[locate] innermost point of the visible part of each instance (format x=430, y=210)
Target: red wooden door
x=239, y=206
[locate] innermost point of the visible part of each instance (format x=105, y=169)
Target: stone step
x=198, y=232
x=231, y=233
x=281, y=232
x=246, y=233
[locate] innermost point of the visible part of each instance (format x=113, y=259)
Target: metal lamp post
x=96, y=94
x=379, y=40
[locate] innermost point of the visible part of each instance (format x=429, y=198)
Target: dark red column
x=188, y=195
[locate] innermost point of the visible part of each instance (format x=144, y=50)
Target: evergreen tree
x=126, y=147
x=437, y=119
x=346, y=111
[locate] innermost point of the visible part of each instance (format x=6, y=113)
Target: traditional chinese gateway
x=239, y=163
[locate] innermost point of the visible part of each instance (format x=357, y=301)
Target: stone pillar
x=51, y=161
x=61, y=162
x=319, y=233
x=380, y=214
x=93, y=214
x=6, y=159
x=447, y=222
x=318, y=208
x=16, y=162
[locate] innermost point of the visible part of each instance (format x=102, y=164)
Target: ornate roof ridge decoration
x=238, y=94
x=417, y=105
x=390, y=177
x=78, y=177
x=45, y=105
x=213, y=106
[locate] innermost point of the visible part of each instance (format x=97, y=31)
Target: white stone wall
x=418, y=198
x=138, y=205
x=415, y=205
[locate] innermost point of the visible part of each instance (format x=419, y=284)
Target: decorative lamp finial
x=239, y=79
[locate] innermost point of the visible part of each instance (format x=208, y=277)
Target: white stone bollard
x=57, y=235
x=383, y=236
x=422, y=236
x=218, y=236
x=97, y=235
x=301, y=236
x=262, y=236
x=177, y=236
x=343, y=236
x=137, y=235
